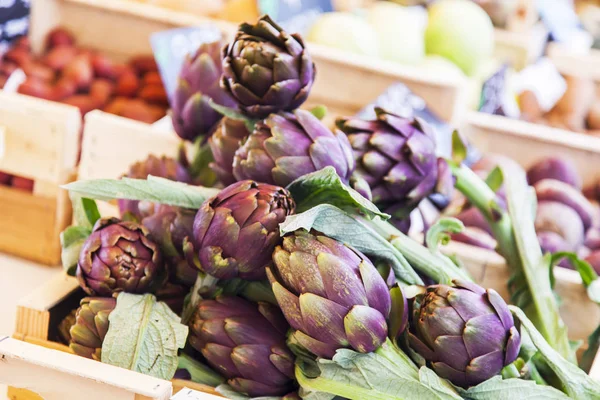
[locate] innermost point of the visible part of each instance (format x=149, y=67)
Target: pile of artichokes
x=288, y=278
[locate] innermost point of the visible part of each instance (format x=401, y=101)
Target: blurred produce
x=87, y=79
x=400, y=32
x=345, y=31
x=460, y=31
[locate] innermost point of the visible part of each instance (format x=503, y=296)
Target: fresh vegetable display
x=86, y=78
x=298, y=286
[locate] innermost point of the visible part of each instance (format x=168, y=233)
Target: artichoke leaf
x=154, y=189
x=144, y=336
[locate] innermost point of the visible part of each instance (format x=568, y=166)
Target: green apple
x=344, y=31
x=400, y=31
x=460, y=31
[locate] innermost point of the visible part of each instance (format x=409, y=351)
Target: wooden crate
x=59, y=375
x=39, y=140
x=520, y=48
x=527, y=143
x=38, y=316
x=344, y=81
x=102, y=158
x=573, y=63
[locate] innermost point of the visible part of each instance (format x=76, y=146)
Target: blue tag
x=171, y=48
x=14, y=19
x=398, y=99
x=295, y=16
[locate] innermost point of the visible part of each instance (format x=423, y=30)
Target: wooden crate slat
x=63, y=376
x=526, y=142
x=40, y=138
x=103, y=158
x=33, y=311
x=569, y=62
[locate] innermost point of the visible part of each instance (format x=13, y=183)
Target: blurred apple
x=400, y=31
x=460, y=31
x=344, y=31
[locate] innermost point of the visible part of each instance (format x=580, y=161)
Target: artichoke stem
x=199, y=372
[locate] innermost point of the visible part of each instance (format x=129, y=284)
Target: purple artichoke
x=199, y=82
x=395, y=156
x=466, y=333
x=91, y=326
x=172, y=229
x=286, y=146
x=245, y=343
x=554, y=168
x=164, y=167
x=119, y=257
x=224, y=142
x=332, y=295
x=267, y=70
x=236, y=231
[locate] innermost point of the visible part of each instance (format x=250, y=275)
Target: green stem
x=200, y=373
x=529, y=285
x=439, y=268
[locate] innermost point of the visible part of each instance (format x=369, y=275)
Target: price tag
x=189, y=394
x=398, y=99
x=172, y=46
x=295, y=16
x=14, y=20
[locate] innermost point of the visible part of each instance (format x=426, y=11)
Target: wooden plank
x=520, y=48
x=40, y=139
x=29, y=225
x=526, y=142
x=569, y=62
x=33, y=311
x=64, y=376
x=102, y=158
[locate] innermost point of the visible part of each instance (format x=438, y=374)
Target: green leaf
x=144, y=336
x=233, y=114
x=85, y=211
x=495, y=179
x=438, y=233
x=200, y=373
x=387, y=374
x=589, y=355
x=158, y=190
x=511, y=389
x=71, y=241
x=459, y=148
x=529, y=284
x=540, y=303
x=339, y=225
x=397, y=314
x=576, y=383
x=319, y=111
x=326, y=187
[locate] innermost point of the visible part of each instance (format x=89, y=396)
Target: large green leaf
x=326, y=187
x=158, y=190
x=497, y=388
x=387, y=374
x=144, y=336
x=576, y=383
